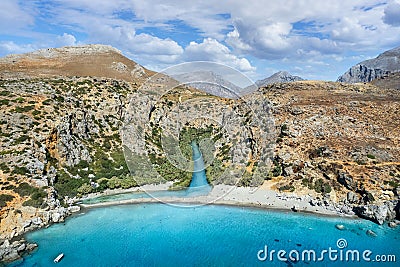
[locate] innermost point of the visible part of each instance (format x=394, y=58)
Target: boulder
x=377, y=213
x=346, y=180
x=55, y=217
x=352, y=197
x=371, y=233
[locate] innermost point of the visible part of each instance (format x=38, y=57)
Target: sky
x=315, y=39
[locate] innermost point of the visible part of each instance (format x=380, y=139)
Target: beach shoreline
x=260, y=197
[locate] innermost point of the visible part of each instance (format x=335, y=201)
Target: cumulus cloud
x=65, y=40
x=14, y=17
x=212, y=50
x=392, y=14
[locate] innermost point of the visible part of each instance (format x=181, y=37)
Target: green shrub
x=4, y=167
x=4, y=198
x=36, y=112
x=21, y=139
x=85, y=189
x=4, y=102
x=370, y=156
x=67, y=186
x=25, y=189
x=20, y=170
x=4, y=93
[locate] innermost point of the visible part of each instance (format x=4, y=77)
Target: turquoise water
x=198, y=185
x=163, y=235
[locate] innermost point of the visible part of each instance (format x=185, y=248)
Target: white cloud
x=65, y=40
x=10, y=47
x=212, y=50
x=13, y=17
x=392, y=14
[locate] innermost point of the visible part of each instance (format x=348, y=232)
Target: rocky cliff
x=279, y=77
x=372, y=69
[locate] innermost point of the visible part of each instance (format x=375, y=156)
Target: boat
x=58, y=258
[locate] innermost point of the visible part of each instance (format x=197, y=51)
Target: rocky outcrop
x=373, y=69
x=377, y=213
x=279, y=77
x=11, y=251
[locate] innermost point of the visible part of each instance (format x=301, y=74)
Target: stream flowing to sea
x=213, y=235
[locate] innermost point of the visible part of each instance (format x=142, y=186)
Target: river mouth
x=212, y=235
x=198, y=186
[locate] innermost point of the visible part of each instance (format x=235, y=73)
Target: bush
x=85, y=189
x=5, y=198
x=67, y=186
x=20, y=170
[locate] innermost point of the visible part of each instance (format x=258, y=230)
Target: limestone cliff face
x=372, y=69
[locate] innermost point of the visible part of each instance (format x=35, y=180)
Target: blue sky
x=316, y=39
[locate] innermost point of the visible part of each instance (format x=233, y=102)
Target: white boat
x=59, y=257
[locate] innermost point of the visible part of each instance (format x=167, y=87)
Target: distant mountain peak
x=95, y=60
x=371, y=69
x=279, y=77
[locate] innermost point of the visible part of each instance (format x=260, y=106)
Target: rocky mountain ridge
x=372, y=69
x=279, y=77
x=88, y=60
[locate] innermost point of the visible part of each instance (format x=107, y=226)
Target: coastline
x=227, y=195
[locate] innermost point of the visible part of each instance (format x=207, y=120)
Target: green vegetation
x=21, y=139
x=66, y=185
x=4, y=167
x=36, y=199
x=23, y=109
x=289, y=188
x=20, y=170
x=5, y=198
x=370, y=156
x=320, y=186
x=4, y=102
x=4, y=93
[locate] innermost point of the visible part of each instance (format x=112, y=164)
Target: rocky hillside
x=371, y=69
x=391, y=80
x=339, y=141
x=279, y=77
x=87, y=60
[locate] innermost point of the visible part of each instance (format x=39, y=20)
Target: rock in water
x=340, y=226
x=371, y=233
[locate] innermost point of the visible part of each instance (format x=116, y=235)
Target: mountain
x=371, y=69
x=86, y=60
x=210, y=82
x=391, y=80
x=279, y=77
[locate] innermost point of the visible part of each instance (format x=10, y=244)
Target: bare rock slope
x=86, y=60
x=371, y=69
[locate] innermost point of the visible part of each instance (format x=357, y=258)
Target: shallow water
x=163, y=235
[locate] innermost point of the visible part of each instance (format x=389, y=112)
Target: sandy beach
x=262, y=197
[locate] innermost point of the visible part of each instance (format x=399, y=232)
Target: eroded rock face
x=377, y=213
x=372, y=69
